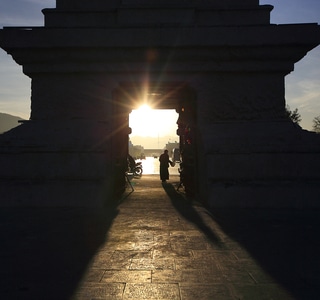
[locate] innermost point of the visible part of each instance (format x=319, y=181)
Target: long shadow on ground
x=44, y=252
x=187, y=210
x=286, y=243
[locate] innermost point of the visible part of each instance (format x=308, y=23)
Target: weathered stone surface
x=187, y=277
x=206, y=292
x=100, y=291
x=152, y=264
x=163, y=291
x=127, y=276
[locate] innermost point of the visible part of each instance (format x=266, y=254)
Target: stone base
x=291, y=194
x=262, y=164
x=24, y=193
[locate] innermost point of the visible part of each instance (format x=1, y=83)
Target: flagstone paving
x=157, y=244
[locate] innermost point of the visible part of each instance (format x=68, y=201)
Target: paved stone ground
x=156, y=244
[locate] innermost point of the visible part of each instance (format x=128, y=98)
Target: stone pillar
x=62, y=156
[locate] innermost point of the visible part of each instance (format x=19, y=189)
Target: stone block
x=162, y=291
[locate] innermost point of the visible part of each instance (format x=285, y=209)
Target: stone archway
x=227, y=51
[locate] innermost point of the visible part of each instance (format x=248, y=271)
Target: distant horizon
x=147, y=142
x=153, y=142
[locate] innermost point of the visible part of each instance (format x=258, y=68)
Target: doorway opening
x=152, y=131
x=177, y=97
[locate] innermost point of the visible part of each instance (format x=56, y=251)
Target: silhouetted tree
x=316, y=124
x=293, y=115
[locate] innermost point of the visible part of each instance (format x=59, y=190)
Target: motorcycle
x=134, y=167
x=137, y=169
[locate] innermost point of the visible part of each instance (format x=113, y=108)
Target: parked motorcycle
x=137, y=170
x=134, y=167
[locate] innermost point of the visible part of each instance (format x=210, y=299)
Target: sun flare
x=144, y=108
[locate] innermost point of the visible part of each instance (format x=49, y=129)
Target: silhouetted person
x=164, y=165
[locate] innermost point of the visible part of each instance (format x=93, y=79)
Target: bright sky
x=302, y=86
x=151, y=122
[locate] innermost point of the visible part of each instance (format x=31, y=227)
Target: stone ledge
x=302, y=35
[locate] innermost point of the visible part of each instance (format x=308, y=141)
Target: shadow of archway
x=186, y=209
x=45, y=251
x=285, y=243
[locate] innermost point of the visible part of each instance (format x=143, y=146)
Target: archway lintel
x=164, y=95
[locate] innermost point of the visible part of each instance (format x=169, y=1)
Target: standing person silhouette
x=164, y=165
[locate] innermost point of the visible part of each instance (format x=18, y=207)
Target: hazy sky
x=302, y=86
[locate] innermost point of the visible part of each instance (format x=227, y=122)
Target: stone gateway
x=220, y=64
